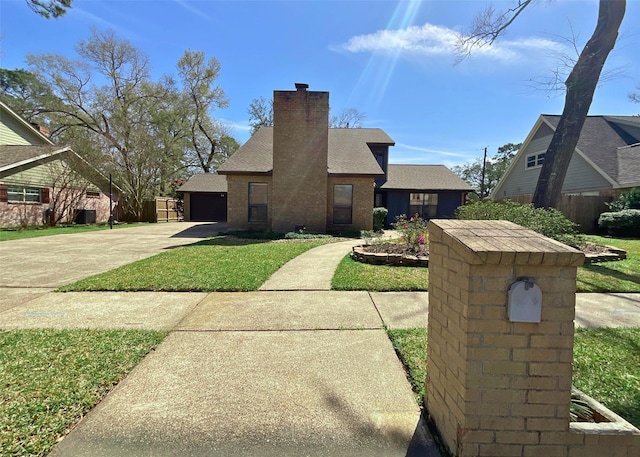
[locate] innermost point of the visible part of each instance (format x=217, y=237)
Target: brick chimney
x=300, y=150
x=40, y=128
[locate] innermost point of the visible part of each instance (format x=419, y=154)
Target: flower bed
x=395, y=254
x=595, y=253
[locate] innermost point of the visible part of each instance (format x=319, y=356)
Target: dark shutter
x=4, y=194
x=44, y=195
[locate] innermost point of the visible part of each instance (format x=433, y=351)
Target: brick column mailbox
x=499, y=381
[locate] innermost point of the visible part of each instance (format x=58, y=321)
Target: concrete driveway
x=36, y=265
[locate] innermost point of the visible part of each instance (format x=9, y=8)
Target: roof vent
x=302, y=86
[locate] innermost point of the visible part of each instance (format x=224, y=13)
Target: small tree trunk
x=581, y=85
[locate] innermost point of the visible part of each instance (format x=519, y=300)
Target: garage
x=205, y=198
x=208, y=207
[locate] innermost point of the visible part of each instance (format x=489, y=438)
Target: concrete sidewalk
x=248, y=374
x=281, y=372
x=313, y=270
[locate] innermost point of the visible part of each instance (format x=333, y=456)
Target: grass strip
x=51, y=378
x=36, y=232
x=353, y=275
x=606, y=365
x=617, y=276
x=217, y=264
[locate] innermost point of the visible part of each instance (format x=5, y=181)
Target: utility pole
x=110, y=202
x=484, y=167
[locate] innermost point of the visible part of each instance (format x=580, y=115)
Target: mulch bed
x=396, y=248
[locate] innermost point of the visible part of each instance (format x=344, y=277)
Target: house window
x=257, y=202
x=342, y=203
x=534, y=160
x=93, y=194
x=23, y=194
x=424, y=205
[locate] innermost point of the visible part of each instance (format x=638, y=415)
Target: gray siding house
x=605, y=162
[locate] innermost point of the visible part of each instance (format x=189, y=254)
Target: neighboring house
x=205, y=197
x=40, y=180
x=300, y=173
x=605, y=162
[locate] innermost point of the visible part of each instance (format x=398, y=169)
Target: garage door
x=207, y=207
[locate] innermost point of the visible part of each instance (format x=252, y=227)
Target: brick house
x=38, y=177
x=301, y=173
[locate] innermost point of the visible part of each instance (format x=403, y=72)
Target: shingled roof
x=205, y=182
x=602, y=138
x=424, y=178
x=12, y=156
x=348, y=153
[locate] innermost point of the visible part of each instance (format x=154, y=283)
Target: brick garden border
x=359, y=254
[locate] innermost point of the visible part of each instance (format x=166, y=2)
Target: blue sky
x=391, y=60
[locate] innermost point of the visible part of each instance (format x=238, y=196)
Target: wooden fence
x=162, y=209
x=582, y=209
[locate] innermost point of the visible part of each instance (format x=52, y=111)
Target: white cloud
x=192, y=9
x=434, y=40
x=401, y=146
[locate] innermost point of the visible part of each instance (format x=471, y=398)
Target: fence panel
x=584, y=210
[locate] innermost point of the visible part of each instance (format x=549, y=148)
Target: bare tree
x=347, y=118
x=68, y=189
x=580, y=86
x=260, y=114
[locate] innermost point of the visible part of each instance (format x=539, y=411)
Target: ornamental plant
x=413, y=232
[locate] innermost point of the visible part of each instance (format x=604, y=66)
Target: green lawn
x=34, y=232
x=619, y=276
x=353, y=275
x=218, y=264
x=51, y=378
x=606, y=365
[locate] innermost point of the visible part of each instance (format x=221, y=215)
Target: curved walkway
x=312, y=270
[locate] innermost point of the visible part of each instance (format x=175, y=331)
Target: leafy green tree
x=50, y=8
x=494, y=169
x=205, y=135
x=25, y=93
x=136, y=125
x=580, y=86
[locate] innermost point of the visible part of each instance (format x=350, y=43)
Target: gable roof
x=629, y=165
x=423, y=178
x=601, y=137
x=14, y=156
x=348, y=153
x=607, y=143
x=5, y=110
x=205, y=182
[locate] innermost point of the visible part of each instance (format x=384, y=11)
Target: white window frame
x=538, y=160
x=23, y=192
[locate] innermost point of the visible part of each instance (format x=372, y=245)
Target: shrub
x=547, y=221
x=621, y=223
x=300, y=235
x=412, y=231
x=379, y=215
x=629, y=199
